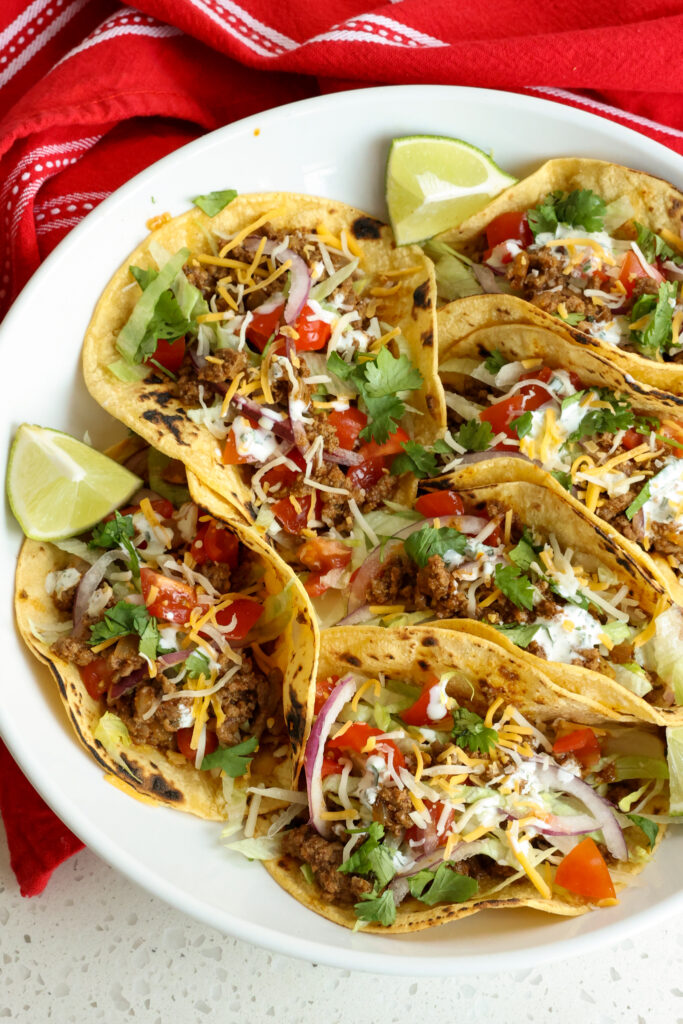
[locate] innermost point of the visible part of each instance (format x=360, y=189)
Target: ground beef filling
x=392, y=809
x=213, y=377
x=538, y=275
x=324, y=857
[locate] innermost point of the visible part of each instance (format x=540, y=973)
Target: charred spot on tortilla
x=421, y=296
x=366, y=227
x=161, y=398
x=351, y=659
x=170, y=421
x=430, y=641
x=164, y=789
x=427, y=338
x=23, y=596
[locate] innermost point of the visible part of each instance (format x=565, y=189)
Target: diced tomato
x=356, y=738
x=632, y=269
x=313, y=334
x=323, y=554
x=245, y=612
x=283, y=474
x=348, y=425
x=674, y=430
x=435, y=810
x=169, y=353
x=330, y=767
x=314, y=585
x=501, y=414
x=440, y=503
x=582, y=743
x=214, y=543
x=161, y=506
x=584, y=872
x=392, y=446
x=166, y=599
x=262, y=326
x=96, y=677
x=290, y=520
x=506, y=226
x=323, y=688
x=183, y=737
x=632, y=439
x=416, y=714
x=366, y=475
x=231, y=457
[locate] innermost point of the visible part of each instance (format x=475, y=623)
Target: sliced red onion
x=343, y=457
x=271, y=304
x=174, y=657
x=362, y=614
x=568, y=825
x=300, y=281
x=552, y=777
x=281, y=428
x=673, y=271
x=199, y=361
x=486, y=278
x=128, y=682
x=90, y=581
x=315, y=750
x=297, y=425
x=370, y=568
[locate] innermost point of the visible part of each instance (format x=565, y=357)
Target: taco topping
x=415, y=798
x=591, y=265
x=624, y=465
x=170, y=631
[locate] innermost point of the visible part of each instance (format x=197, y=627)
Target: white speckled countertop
x=94, y=947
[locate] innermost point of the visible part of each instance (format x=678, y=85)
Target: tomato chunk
x=323, y=688
x=510, y=225
x=166, y=599
x=366, y=475
x=392, y=446
x=582, y=743
x=161, y=506
x=435, y=810
x=96, y=677
x=282, y=474
x=356, y=738
x=214, y=543
x=501, y=414
x=291, y=520
x=263, y=325
x=584, y=872
x=674, y=430
x=348, y=425
x=632, y=270
x=323, y=554
x=330, y=767
x=313, y=334
x=632, y=439
x=418, y=713
x=246, y=614
x=169, y=353
x=440, y=503
x=184, y=736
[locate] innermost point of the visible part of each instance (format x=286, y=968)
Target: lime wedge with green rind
x=433, y=183
x=59, y=487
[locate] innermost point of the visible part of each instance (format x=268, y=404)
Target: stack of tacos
x=462, y=529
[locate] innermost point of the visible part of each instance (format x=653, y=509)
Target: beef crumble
x=324, y=857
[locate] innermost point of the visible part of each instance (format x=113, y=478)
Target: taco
x=179, y=644
x=283, y=349
x=515, y=390
x=592, y=244
x=517, y=563
x=445, y=777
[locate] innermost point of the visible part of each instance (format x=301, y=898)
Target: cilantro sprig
x=520, y=635
x=619, y=415
x=371, y=858
x=429, y=540
x=117, y=532
x=126, y=619
x=379, y=382
x=470, y=731
x=445, y=885
x=474, y=435
x=235, y=760
x=515, y=585
x=653, y=246
x=420, y=461
x=580, y=208
x=376, y=909
x=656, y=336
x=495, y=362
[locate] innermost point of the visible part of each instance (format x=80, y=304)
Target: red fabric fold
x=92, y=92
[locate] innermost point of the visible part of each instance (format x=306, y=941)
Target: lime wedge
x=58, y=486
x=434, y=183
x=674, y=754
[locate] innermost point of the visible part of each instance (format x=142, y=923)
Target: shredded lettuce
x=617, y=213
x=156, y=464
x=277, y=613
x=329, y=284
x=235, y=796
x=637, y=766
x=130, y=342
x=129, y=373
x=454, y=279
x=674, y=746
x=633, y=677
x=113, y=734
x=257, y=848
x=666, y=650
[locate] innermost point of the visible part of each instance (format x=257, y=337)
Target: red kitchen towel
x=91, y=93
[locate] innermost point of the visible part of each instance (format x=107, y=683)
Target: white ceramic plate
x=333, y=146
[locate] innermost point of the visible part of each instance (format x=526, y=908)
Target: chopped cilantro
x=638, y=501
x=653, y=246
x=656, y=335
x=234, y=761
x=373, y=908
x=112, y=533
x=619, y=416
x=522, y=424
x=442, y=886
x=515, y=586
x=469, y=731
x=580, y=208
x=213, y=202
x=197, y=665
x=650, y=828
x=495, y=362
x=416, y=459
x=428, y=541
x=124, y=620
x=564, y=479
x=372, y=858
x=521, y=636
x=474, y=435
x=524, y=553
x=379, y=381
x=573, y=319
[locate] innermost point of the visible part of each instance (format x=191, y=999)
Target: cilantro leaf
x=213, y=202
x=112, y=533
x=652, y=245
x=580, y=208
x=524, y=553
x=656, y=336
x=515, y=586
x=124, y=620
x=475, y=435
x=235, y=760
x=428, y=541
x=619, y=416
x=372, y=858
x=650, y=828
x=495, y=362
x=573, y=319
x=638, y=502
x=445, y=886
x=197, y=664
x=521, y=636
x=469, y=731
x=565, y=479
x=522, y=424
x=419, y=461
x=378, y=382
x=373, y=908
